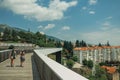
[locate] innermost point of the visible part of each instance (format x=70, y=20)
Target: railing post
x=58, y=57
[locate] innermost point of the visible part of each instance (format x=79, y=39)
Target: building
x=97, y=54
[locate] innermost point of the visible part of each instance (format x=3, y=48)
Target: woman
x=22, y=58
x=12, y=57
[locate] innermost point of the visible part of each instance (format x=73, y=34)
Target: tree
x=83, y=44
x=68, y=48
x=70, y=63
x=85, y=62
x=14, y=35
x=58, y=44
x=77, y=44
x=90, y=64
x=99, y=44
x=108, y=43
x=6, y=34
x=75, y=58
x=102, y=63
x=119, y=70
x=100, y=73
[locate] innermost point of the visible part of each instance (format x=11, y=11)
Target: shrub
x=70, y=63
x=74, y=58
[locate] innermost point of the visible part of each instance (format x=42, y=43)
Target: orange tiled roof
x=95, y=47
x=83, y=48
x=110, y=70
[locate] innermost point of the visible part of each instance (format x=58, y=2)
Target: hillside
x=3, y=26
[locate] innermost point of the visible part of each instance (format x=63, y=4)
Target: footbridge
x=37, y=66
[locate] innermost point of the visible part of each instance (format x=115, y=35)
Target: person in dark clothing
x=12, y=57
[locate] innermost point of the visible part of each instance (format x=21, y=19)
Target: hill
x=51, y=37
x=3, y=26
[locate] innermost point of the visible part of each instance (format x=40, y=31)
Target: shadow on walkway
x=34, y=69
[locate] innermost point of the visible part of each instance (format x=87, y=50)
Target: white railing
x=50, y=69
x=16, y=44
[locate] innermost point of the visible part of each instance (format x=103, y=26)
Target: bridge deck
x=28, y=72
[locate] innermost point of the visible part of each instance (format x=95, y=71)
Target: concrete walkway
x=77, y=65
x=28, y=72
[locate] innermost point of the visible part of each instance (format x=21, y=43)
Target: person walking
x=12, y=57
x=22, y=58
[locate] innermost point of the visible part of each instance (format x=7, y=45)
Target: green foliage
x=99, y=75
x=75, y=58
x=80, y=43
x=28, y=37
x=102, y=63
x=108, y=43
x=70, y=63
x=7, y=34
x=88, y=63
x=77, y=43
x=85, y=62
x=99, y=44
x=119, y=68
x=58, y=44
x=68, y=48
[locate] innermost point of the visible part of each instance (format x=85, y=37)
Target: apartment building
x=97, y=54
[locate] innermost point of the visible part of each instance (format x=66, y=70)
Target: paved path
x=28, y=72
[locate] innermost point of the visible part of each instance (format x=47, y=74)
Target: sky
x=94, y=21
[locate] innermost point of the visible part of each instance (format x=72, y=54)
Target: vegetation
x=80, y=43
x=88, y=63
x=29, y=37
x=68, y=49
x=99, y=75
x=75, y=58
x=42, y=40
x=110, y=63
x=107, y=44
x=70, y=63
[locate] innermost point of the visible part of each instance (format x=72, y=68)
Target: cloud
x=84, y=8
x=91, y=12
x=66, y=28
x=42, y=33
x=92, y=2
x=95, y=37
x=108, y=18
x=106, y=24
x=49, y=26
x=31, y=10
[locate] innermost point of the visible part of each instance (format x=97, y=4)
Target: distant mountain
x=51, y=37
x=3, y=26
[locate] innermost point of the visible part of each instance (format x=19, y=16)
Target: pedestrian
x=12, y=57
x=22, y=58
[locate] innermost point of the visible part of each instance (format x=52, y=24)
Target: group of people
x=13, y=57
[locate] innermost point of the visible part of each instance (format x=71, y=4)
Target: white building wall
x=81, y=57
